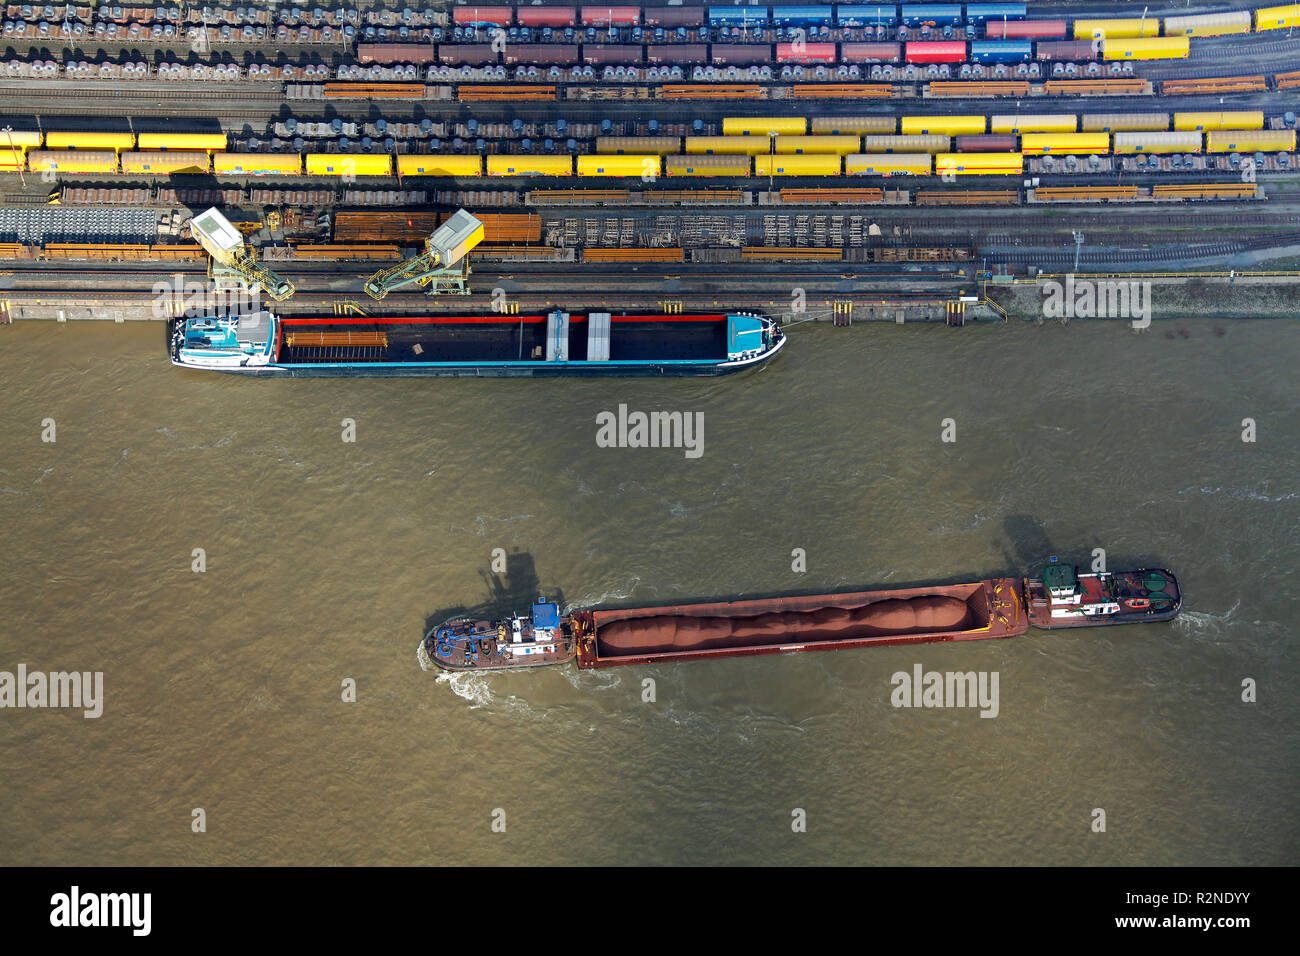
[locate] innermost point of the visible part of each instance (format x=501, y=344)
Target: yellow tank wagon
x=726, y=145
x=888, y=164
x=764, y=126
x=1155, y=48
x=436, y=165
x=707, y=165
x=645, y=167
x=257, y=164
x=1035, y=123
x=906, y=144
x=825, y=145
x=101, y=141
x=1276, y=18
x=156, y=162
x=529, y=165
x=348, y=165
x=979, y=164
x=947, y=125
x=1116, y=29
x=1250, y=141
x=796, y=165
x=1036, y=144
x=72, y=161
x=1231, y=119
x=211, y=142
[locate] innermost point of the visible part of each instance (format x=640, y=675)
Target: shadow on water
x=511, y=592
x=1031, y=549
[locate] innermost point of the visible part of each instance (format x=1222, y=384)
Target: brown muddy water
x=325, y=560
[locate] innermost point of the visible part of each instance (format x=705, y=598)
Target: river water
x=223, y=690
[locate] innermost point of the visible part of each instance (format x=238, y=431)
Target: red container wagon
x=677, y=54
x=871, y=52
x=546, y=16
x=806, y=53
x=1076, y=50
x=1025, y=30
x=611, y=16
x=936, y=51
x=541, y=54
x=611, y=54
x=986, y=143
x=397, y=53
x=466, y=54
x=674, y=17
x=472, y=16
x=741, y=54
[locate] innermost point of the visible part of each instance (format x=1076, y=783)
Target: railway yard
x=882, y=162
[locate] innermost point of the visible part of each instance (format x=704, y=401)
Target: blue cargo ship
x=553, y=344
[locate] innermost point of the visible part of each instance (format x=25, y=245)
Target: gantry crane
x=441, y=267
x=232, y=257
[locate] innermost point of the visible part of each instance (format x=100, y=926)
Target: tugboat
x=1063, y=597
x=462, y=644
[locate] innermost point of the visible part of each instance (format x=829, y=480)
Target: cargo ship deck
x=553, y=344
x=960, y=612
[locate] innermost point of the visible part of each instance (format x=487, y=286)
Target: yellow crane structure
x=443, y=266
x=232, y=257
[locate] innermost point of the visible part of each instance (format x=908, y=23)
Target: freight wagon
x=1209, y=25
x=979, y=164
x=1250, y=140
x=529, y=166
x=348, y=165
x=1035, y=144
x=438, y=165
x=1001, y=51
x=789, y=165
x=837, y=145
x=887, y=164
x=1026, y=30
x=165, y=163
x=257, y=164
x=948, y=125
x=1042, y=123
x=1157, y=48
x=1231, y=119
x=707, y=165
x=1116, y=29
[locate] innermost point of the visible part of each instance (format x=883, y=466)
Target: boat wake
x=1198, y=623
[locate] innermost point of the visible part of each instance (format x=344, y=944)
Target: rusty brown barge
x=972, y=611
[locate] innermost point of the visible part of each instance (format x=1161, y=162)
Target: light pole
x=1078, y=247
x=9, y=131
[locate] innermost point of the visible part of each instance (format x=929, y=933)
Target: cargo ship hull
x=973, y=611
x=529, y=346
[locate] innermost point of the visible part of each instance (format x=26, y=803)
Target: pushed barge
x=978, y=610
x=556, y=343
